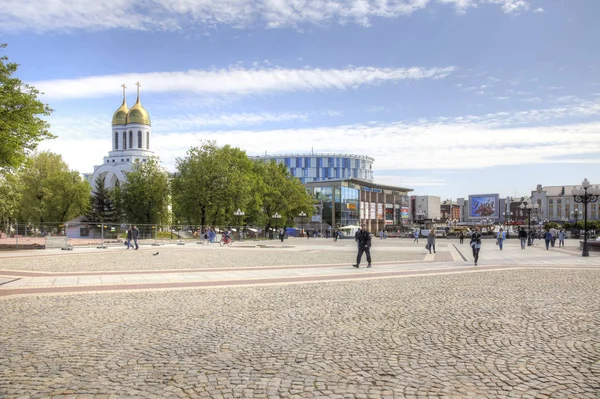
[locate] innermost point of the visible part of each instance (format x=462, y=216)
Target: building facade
x=351, y=202
x=130, y=137
x=321, y=167
x=556, y=204
x=425, y=209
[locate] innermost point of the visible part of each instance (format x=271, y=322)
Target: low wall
x=592, y=245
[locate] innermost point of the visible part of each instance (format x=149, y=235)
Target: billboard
x=483, y=206
x=405, y=213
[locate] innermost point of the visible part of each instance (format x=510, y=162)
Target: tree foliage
x=102, y=207
x=212, y=182
x=50, y=191
x=145, y=196
x=10, y=198
x=21, y=128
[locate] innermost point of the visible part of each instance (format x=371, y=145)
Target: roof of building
x=363, y=183
x=310, y=155
x=557, y=191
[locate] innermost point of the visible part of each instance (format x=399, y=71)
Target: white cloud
x=68, y=15
x=237, y=81
x=537, y=10
x=469, y=142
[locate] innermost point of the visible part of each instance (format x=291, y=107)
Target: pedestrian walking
x=431, y=241
x=476, y=244
x=548, y=238
x=461, y=235
x=523, y=237
x=135, y=233
x=364, y=245
x=554, y=233
x=500, y=237
x=561, y=238
x=128, y=238
x=416, y=235
x=281, y=234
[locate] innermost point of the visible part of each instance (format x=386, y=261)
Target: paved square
x=406, y=328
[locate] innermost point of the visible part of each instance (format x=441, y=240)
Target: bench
x=593, y=246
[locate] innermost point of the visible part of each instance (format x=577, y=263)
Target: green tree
x=211, y=183
x=145, y=196
x=280, y=193
x=102, y=208
x=50, y=191
x=10, y=198
x=21, y=128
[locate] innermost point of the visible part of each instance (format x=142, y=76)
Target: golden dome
x=137, y=114
x=120, y=116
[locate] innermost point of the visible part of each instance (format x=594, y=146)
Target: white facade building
x=556, y=204
x=130, y=137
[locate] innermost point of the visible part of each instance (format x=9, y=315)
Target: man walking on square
x=431, y=241
x=416, y=236
x=461, y=236
x=364, y=245
x=135, y=233
x=523, y=237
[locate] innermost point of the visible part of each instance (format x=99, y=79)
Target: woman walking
x=500, y=238
x=476, y=244
x=431, y=240
x=561, y=238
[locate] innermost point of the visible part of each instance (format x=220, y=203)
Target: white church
x=130, y=137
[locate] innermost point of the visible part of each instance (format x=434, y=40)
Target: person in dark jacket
x=461, y=236
x=548, y=239
x=135, y=233
x=128, y=237
x=364, y=245
x=431, y=241
x=476, y=244
x=523, y=237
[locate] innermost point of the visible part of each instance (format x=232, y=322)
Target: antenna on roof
x=312, y=150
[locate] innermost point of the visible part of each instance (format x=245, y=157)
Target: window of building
x=305, y=170
x=331, y=162
x=124, y=140
x=298, y=162
x=116, y=140
x=287, y=162
x=130, y=139
x=147, y=140
x=319, y=162
x=127, y=159
x=550, y=201
x=139, y=139
x=113, y=160
x=307, y=162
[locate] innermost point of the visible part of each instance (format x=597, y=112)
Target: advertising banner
x=373, y=212
x=483, y=206
x=404, y=213
x=380, y=211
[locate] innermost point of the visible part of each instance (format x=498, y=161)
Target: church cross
x=124, y=87
x=138, y=87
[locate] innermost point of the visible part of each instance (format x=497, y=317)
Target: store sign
x=404, y=213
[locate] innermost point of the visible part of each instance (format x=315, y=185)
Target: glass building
x=350, y=202
x=320, y=167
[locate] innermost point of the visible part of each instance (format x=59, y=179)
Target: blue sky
x=451, y=97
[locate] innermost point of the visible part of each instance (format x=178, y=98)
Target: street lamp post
x=586, y=194
x=528, y=209
x=576, y=213
x=276, y=216
x=240, y=214
x=303, y=216
x=507, y=215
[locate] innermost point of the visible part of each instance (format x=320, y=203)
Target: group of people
x=132, y=234
x=327, y=233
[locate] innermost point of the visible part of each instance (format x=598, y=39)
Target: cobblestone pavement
x=522, y=333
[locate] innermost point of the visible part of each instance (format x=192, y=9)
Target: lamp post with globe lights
x=585, y=194
x=576, y=214
x=303, y=216
x=240, y=214
x=528, y=208
x=507, y=215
